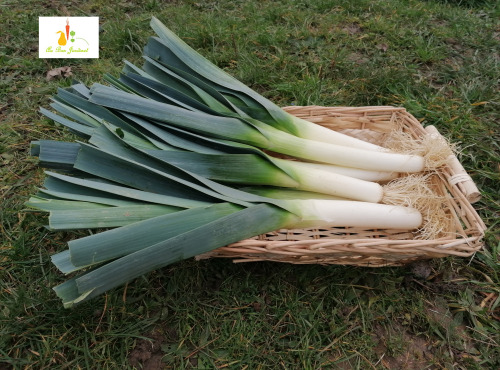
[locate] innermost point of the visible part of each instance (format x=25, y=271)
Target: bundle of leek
x=159, y=159
x=162, y=216
x=213, y=157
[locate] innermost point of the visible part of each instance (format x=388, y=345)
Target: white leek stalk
x=316, y=213
x=357, y=173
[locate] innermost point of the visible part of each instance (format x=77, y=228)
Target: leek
x=244, y=169
x=251, y=167
x=125, y=252
x=169, y=49
x=255, y=133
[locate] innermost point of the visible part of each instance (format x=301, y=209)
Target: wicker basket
x=356, y=246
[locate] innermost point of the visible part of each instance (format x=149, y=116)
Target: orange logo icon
x=63, y=40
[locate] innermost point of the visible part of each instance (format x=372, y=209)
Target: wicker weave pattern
x=355, y=246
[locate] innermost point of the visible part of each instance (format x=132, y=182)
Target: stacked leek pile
x=175, y=163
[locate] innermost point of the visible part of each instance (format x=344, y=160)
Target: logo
x=68, y=37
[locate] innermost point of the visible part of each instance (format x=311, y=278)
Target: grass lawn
x=439, y=59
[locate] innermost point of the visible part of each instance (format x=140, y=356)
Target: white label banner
x=68, y=37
